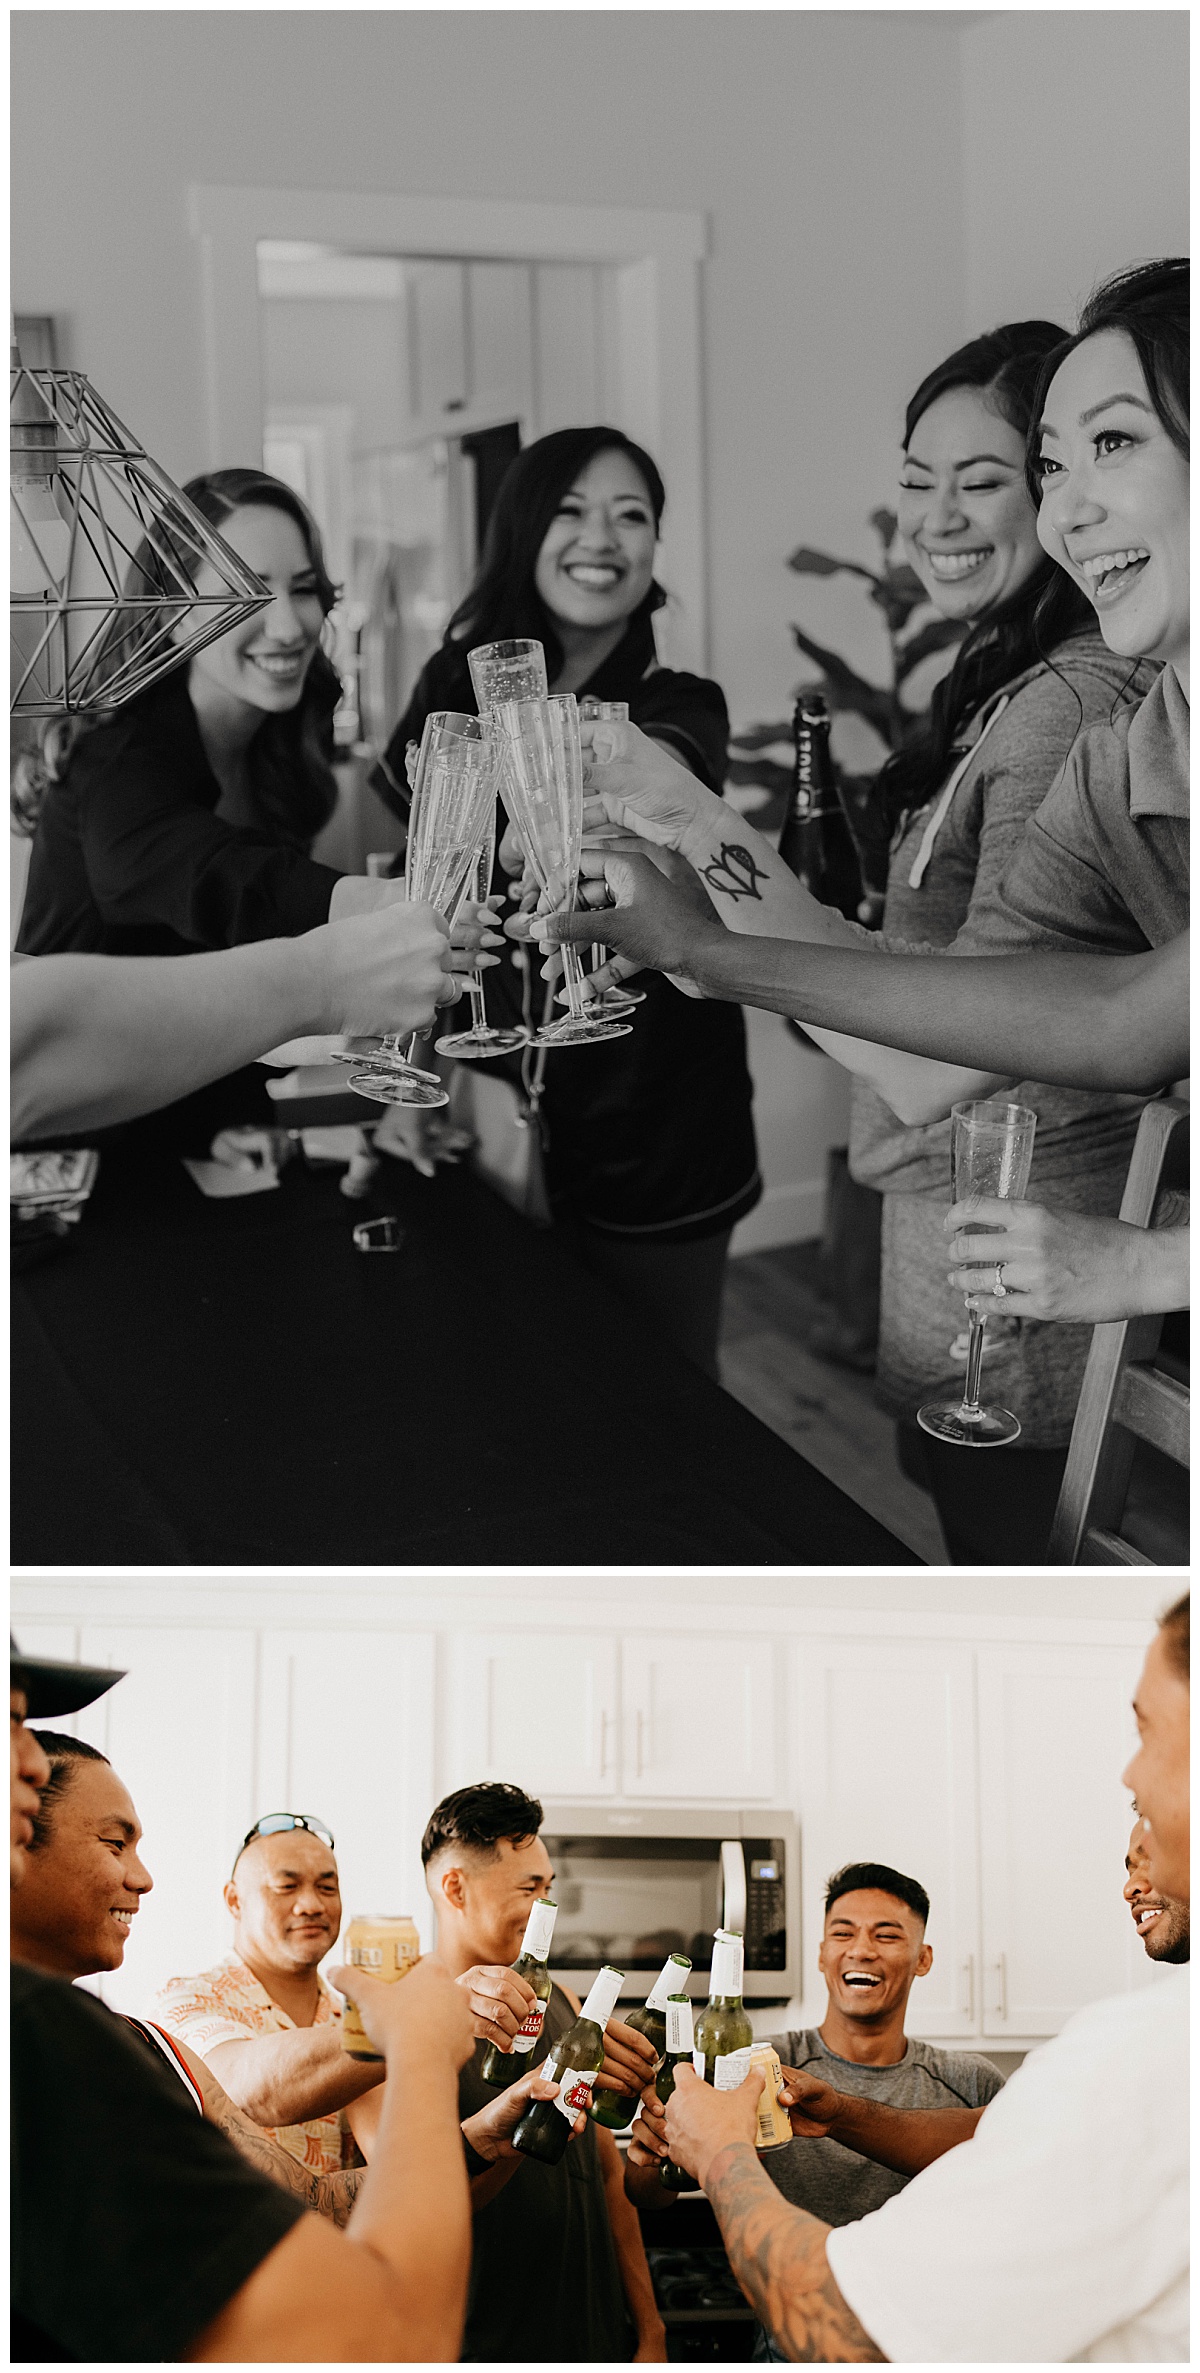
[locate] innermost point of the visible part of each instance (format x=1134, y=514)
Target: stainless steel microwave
x=633, y=1885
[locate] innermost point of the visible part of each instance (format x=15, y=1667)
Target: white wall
x=1075, y=153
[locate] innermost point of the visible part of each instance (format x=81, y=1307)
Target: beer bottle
x=616, y=2109
x=680, y=2046
x=571, y=2064
x=503, y=2068
x=724, y=2034
x=816, y=843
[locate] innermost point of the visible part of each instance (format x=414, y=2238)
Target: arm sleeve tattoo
x=332, y=2196
x=778, y=2255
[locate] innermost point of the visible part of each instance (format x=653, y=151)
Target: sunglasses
x=275, y=1824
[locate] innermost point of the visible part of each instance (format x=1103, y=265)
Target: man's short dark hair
x=479, y=1817
x=60, y=1752
x=886, y=1881
x=1176, y=1629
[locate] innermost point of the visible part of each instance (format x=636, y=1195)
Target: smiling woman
x=184, y=820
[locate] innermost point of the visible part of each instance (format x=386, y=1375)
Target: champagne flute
x=991, y=1149
x=611, y=1000
x=482, y=1040
x=453, y=789
x=543, y=775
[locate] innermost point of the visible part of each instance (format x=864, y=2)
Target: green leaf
x=884, y=523
x=808, y=563
x=760, y=737
x=848, y=690
x=769, y=773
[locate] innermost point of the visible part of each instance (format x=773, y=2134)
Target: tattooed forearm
x=734, y=872
x=332, y=2196
x=778, y=2255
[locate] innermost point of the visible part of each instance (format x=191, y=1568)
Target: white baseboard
x=787, y=1215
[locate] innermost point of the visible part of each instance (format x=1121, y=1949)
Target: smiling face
x=1163, y=1924
x=872, y=1950
x=1114, y=509
x=262, y=664
x=286, y=1902
x=83, y=1886
x=597, y=557
x=969, y=528
x=1159, y=1773
x=487, y=1898
x=29, y=1772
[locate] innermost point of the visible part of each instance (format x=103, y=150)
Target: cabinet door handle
x=604, y=1743
x=637, y=1742
x=1002, y=1987
x=969, y=1985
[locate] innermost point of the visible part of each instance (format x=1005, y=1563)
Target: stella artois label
x=575, y=2093
x=529, y=2030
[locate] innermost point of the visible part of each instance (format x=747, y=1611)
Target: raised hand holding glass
x=543, y=792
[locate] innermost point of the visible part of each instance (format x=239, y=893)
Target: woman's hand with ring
x=1055, y=1265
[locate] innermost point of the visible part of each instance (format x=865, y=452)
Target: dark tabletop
x=232, y=1383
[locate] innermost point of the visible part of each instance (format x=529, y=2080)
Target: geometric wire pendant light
x=116, y=575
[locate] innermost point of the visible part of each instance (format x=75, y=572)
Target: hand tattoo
x=778, y=2255
x=734, y=873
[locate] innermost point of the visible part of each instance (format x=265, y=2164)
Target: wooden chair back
x=1125, y=1397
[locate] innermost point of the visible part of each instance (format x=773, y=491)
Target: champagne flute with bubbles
x=991, y=1150
x=543, y=774
x=454, y=791
x=612, y=1000
x=483, y=1040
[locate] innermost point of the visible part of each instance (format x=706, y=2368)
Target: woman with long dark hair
x=649, y=1144
x=1031, y=673
x=184, y=820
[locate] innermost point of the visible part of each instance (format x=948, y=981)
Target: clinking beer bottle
x=503, y=2068
x=724, y=2034
x=816, y=843
x=616, y=2109
x=681, y=2044
x=571, y=2063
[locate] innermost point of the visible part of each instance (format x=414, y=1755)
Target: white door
x=699, y=1717
x=535, y=1707
x=179, y=1731
x=1055, y=1732
x=347, y=1735
x=885, y=1760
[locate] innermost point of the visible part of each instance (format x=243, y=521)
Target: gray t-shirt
x=837, y=2184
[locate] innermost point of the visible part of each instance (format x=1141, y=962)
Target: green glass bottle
x=617, y=2109
x=723, y=2031
x=681, y=2043
x=503, y=2068
x=571, y=2063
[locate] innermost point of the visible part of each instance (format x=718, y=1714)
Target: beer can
x=774, y=2124
x=386, y=1948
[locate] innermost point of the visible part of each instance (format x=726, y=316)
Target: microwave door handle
x=733, y=1885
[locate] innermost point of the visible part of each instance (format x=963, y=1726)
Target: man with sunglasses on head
x=263, y=2019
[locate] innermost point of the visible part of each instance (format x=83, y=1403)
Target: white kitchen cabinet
x=885, y=1772
x=500, y=342
x=179, y=1731
x=1055, y=1731
x=698, y=1717
x=437, y=299
x=346, y=1733
x=535, y=1707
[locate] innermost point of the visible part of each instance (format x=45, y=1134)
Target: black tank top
x=545, y=2284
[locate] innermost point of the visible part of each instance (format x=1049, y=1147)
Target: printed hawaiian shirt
x=226, y=2003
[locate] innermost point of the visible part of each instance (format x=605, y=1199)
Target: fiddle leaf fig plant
x=897, y=591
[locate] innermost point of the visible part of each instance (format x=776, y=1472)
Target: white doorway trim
x=657, y=255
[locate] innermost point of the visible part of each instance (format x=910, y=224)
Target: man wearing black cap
x=227, y=2265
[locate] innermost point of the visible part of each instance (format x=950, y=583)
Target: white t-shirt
x=1059, y=2233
